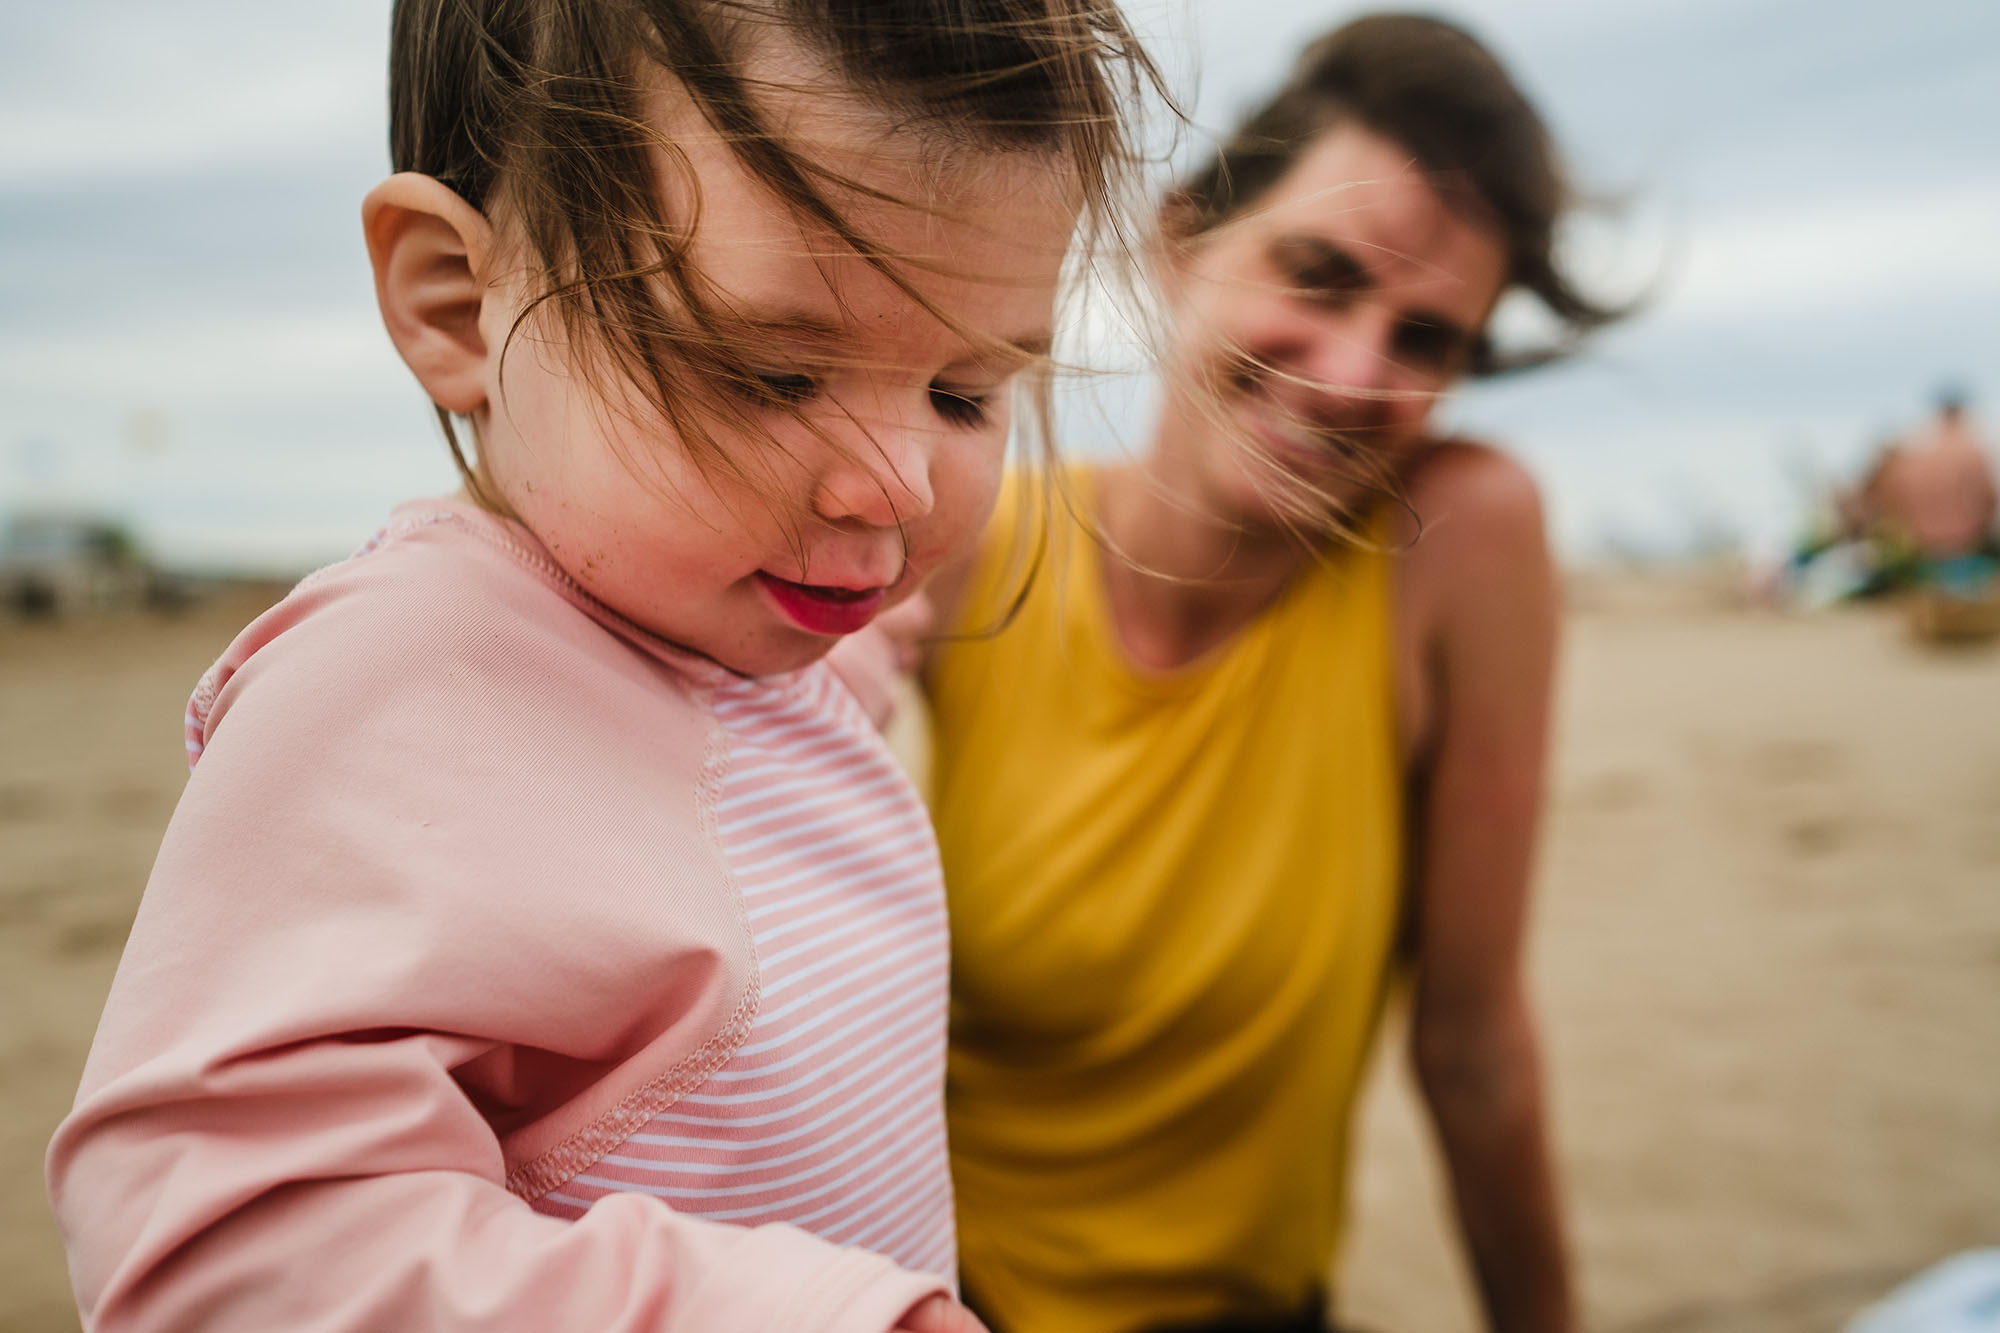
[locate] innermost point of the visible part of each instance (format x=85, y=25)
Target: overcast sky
x=187, y=333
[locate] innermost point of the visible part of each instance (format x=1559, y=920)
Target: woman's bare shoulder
x=1474, y=533
x=1471, y=484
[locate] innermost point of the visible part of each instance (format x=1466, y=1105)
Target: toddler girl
x=544, y=939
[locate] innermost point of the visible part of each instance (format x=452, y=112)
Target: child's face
x=895, y=469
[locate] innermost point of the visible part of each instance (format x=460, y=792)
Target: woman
x=1272, y=720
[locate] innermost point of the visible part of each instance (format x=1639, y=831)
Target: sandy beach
x=1767, y=955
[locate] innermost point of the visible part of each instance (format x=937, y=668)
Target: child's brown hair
x=534, y=108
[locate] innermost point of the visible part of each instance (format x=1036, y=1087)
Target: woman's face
x=1314, y=331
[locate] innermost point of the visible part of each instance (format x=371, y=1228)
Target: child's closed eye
x=961, y=407
x=965, y=408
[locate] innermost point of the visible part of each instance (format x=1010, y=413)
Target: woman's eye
x=1426, y=344
x=1319, y=272
x=961, y=409
x=773, y=387
x=1324, y=288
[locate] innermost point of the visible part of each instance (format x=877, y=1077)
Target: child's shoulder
x=451, y=616
x=447, y=573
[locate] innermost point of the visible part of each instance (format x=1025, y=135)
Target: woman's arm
x=1481, y=584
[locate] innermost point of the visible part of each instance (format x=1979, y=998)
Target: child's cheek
x=962, y=510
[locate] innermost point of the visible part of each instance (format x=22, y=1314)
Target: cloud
x=102, y=88
x=300, y=110
x=293, y=358
x=1842, y=253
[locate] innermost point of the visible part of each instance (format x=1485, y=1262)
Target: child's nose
x=878, y=475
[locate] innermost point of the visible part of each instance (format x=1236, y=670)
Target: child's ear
x=429, y=249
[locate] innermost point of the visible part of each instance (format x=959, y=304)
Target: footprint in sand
x=23, y=801
x=1796, y=760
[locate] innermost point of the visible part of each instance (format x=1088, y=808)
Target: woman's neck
x=1181, y=580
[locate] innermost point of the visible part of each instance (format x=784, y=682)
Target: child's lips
x=819, y=608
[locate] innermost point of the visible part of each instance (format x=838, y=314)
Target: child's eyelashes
x=964, y=408
x=960, y=408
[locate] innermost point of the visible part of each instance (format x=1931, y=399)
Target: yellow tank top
x=1173, y=907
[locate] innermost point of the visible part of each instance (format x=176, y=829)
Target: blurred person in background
x=1919, y=518
x=1272, y=734
x=1937, y=500
x=1935, y=490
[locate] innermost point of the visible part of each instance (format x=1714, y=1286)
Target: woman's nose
x=1352, y=354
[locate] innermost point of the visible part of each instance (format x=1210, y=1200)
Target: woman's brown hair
x=1436, y=91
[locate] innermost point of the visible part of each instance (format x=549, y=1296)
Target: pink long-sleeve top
x=506, y=968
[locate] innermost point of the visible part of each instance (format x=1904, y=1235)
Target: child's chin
x=778, y=656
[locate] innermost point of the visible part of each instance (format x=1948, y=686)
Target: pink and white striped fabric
x=830, y=1115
